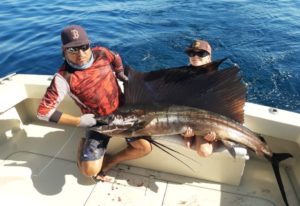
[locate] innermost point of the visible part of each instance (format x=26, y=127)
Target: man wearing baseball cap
x=199, y=53
x=88, y=75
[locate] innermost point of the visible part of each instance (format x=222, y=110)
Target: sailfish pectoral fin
x=230, y=147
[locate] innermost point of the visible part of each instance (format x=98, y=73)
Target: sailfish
x=166, y=102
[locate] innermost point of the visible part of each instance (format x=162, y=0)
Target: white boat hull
x=37, y=161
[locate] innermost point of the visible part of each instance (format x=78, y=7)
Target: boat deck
x=39, y=168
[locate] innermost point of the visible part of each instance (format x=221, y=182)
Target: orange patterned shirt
x=95, y=89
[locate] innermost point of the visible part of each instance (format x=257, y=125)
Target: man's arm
x=119, y=69
x=48, y=107
x=53, y=96
x=69, y=119
x=86, y=120
x=117, y=64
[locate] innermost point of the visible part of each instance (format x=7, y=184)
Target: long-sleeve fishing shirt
x=95, y=89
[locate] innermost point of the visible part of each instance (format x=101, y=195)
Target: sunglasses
x=75, y=50
x=198, y=53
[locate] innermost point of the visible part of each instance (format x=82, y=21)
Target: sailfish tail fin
x=275, y=160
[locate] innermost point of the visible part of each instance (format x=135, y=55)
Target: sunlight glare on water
x=262, y=37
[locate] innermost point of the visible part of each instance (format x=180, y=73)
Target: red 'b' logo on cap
x=75, y=34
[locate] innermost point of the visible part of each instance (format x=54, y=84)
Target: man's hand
x=87, y=120
x=210, y=137
x=187, y=136
x=121, y=76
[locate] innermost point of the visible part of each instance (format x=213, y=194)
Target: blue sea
x=261, y=36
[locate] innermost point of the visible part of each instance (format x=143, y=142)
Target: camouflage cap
x=199, y=45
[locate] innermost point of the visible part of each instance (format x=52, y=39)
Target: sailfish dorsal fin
x=219, y=91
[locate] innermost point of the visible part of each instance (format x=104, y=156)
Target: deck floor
x=37, y=167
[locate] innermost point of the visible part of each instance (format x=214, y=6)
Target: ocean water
x=261, y=36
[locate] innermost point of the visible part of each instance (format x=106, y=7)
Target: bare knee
x=145, y=149
x=89, y=172
x=205, y=150
x=90, y=168
x=142, y=147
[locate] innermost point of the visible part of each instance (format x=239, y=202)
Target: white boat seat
x=219, y=167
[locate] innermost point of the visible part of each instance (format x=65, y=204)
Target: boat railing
x=7, y=77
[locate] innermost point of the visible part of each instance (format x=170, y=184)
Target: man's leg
x=134, y=150
x=91, y=151
x=87, y=167
x=205, y=145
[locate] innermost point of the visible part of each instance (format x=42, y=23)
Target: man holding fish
x=200, y=53
x=88, y=76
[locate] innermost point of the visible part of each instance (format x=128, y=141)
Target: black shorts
x=133, y=139
x=94, y=147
